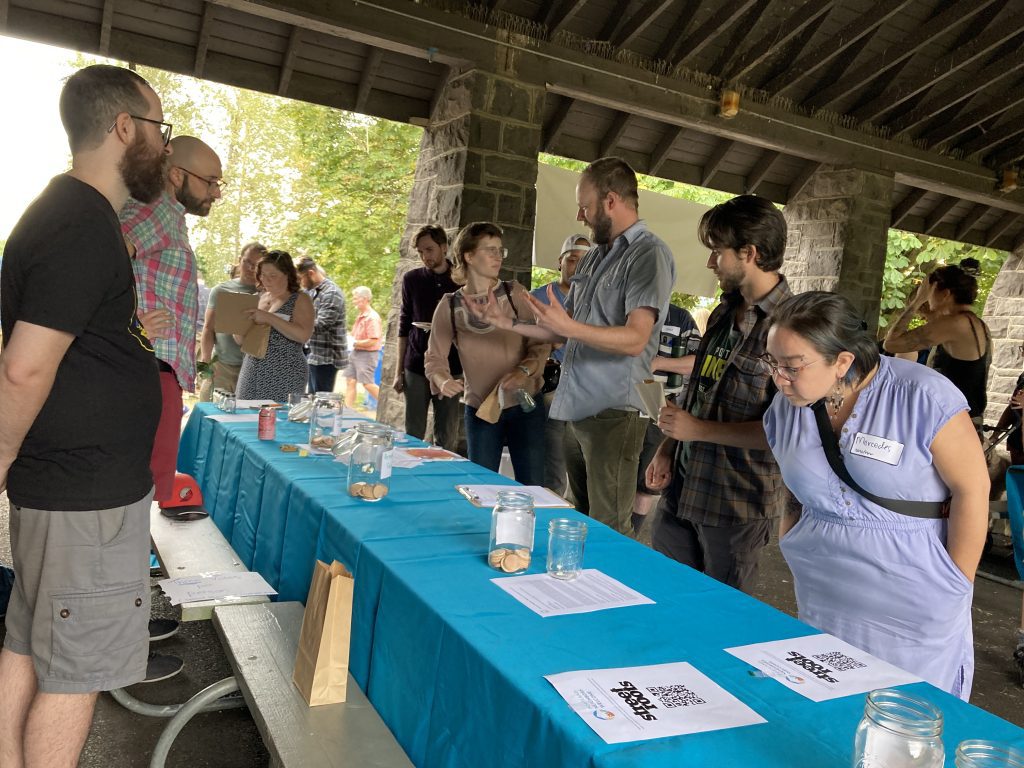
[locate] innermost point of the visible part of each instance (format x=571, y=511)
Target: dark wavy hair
x=284, y=262
x=466, y=241
x=434, y=232
x=830, y=324
x=746, y=220
x=93, y=97
x=959, y=279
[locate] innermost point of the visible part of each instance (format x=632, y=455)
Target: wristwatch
x=524, y=369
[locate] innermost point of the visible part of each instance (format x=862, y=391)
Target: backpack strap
x=508, y=295
x=451, y=306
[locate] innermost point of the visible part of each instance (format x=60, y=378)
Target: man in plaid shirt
x=724, y=488
x=328, y=346
x=165, y=281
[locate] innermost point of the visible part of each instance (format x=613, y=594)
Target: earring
x=836, y=399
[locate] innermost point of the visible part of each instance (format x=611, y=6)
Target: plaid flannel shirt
x=725, y=485
x=329, y=343
x=165, y=276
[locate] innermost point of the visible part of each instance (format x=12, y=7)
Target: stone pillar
x=838, y=229
x=478, y=162
x=1004, y=314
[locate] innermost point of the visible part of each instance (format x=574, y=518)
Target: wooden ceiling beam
x=553, y=128
x=976, y=214
x=105, y=26
x=907, y=204
x=5, y=6
x=667, y=49
x=615, y=133
x=665, y=144
x=373, y=62
x=1010, y=125
x=860, y=29
x=723, y=17
x=959, y=57
x=714, y=163
x=938, y=213
x=776, y=38
x=740, y=33
x=1010, y=156
x=634, y=26
x=802, y=179
x=558, y=14
x=288, y=63
x=784, y=60
x=760, y=170
x=1005, y=221
x=953, y=15
x=203, y=41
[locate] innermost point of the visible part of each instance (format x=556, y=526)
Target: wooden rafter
x=718, y=155
x=958, y=58
x=554, y=126
x=858, y=30
x=1012, y=155
x=938, y=213
x=802, y=179
x=1005, y=221
x=559, y=13
x=373, y=62
x=661, y=152
x=5, y=6
x=667, y=49
x=723, y=17
x=203, y=41
x=105, y=26
x=634, y=26
x=781, y=63
x=907, y=204
x=288, y=62
x=760, y=170
x=615, y=133
x=740, y=32
x=976, y=214
x=442, y=83
x=775, y=39
x=953, y=15
x=1010, y=125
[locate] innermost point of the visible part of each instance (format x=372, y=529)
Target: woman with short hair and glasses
x=289, y=313
x=493, y=359
x=897, y=584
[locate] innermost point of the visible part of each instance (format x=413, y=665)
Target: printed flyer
x=639, y=703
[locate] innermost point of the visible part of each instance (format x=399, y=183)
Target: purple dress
x=879, y=580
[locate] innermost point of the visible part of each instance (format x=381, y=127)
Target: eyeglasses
x=220, y=184
x=493, y=250
x=786, y=372
x=165, y=128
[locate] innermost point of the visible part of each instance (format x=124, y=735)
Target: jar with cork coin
x=325, y=421
x=369, y=464
x=512, y=525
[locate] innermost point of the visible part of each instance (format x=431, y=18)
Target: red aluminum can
x=267, y=426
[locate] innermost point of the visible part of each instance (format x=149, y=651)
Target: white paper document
x=638, y=703
x=228, y=418
x=253, y=403
x=822, y=667
x=215, y=585
x=590, y=591
x=487, y=495
x=408, y=458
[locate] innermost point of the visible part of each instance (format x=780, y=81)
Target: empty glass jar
x=325, y=421
x=978, y=753
x=369, y=464
x=512, y=525
x=898, y=730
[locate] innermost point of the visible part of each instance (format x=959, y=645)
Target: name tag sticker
x=878, y=448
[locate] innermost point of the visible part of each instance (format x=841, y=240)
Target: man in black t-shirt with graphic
x=79, y=402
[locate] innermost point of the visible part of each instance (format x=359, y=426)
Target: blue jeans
x=524, y=433
x=321, y=378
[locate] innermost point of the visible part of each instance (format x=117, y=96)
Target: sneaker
x=160, y=667
x=161, y=629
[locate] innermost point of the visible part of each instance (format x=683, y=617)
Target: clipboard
x=229, y=316
x=487, y=495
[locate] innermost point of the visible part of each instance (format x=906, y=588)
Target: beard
x=143, y=171
x=730, y=281
x=600, y=229
x=195, y=205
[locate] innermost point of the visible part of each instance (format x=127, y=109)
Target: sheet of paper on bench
x=487, y=495
x=215, y=585
x=230, y=315
x=590, y=591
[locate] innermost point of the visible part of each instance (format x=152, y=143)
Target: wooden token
x=512, y=563
x=289, y=448
x=356, y=489
x=497, y=556
x=378, y=491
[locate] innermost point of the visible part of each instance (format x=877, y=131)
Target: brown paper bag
x=256, y=341
x=321, y=661
x=490, y=408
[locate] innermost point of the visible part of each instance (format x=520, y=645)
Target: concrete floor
x=121, y=739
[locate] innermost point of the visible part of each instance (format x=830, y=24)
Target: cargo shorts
x=80, y=606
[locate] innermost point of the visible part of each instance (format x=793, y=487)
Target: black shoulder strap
x=451, y=306
x=926, y=509
x=508, y=295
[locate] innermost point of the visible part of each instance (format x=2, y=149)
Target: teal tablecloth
x=455, y=666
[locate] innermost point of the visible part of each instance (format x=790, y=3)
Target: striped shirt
x=165, y=277
x=725, y=485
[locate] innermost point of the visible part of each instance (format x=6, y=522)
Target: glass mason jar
x=978, y=753
x=512, y=524
x=325, y=421
x=566, y=539
x=898, y=730
x=369, y=464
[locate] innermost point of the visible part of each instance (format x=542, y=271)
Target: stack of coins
x=322, y=441
x=372, y=491
x=509, y=560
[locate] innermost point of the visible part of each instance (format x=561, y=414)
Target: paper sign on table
x=590, y=591
x=229, y=418
x=215, y=585
x=487, y=495
x=637, y=703
x=822, y=667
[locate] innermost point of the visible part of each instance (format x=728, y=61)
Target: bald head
x=195, y=174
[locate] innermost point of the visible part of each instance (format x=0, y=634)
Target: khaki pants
x=602, y=453
x=224, y=377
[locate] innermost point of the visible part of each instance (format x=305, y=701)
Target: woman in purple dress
x=895, y=585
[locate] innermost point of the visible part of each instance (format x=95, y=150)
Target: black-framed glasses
x=787, y=372
x=494, y=250
x=166, y=129
x=210, y=183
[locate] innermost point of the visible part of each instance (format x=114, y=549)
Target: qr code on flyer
x=675, y=696
x=839, y=661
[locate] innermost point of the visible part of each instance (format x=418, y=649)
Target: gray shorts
x=362, y=365
x=80, y=606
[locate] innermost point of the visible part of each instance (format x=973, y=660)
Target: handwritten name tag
x=878, y=448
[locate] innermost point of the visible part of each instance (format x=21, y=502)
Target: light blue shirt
x=635, y=270
x=541, y=295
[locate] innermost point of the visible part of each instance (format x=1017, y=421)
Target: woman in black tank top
x=963, y=348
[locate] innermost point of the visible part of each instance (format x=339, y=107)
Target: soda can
x=267, y=426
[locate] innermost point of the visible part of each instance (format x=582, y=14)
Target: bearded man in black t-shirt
x=79, y=402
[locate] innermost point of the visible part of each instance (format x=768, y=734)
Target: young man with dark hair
x=422, y=289
x=79, y=404
x=328, y=346
x=721, y=500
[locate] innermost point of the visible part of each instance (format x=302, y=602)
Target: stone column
x=1004, y=314
x=478, y=162
x=838, y=229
